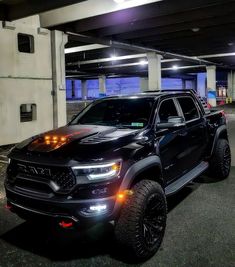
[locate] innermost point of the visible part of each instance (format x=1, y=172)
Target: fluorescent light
x=143, y=62
x=175, y=67
x=114, y=57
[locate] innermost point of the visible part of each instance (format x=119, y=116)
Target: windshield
x=122, y=113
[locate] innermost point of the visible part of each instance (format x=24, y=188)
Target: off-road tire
x=141, y=225
x=220, y=162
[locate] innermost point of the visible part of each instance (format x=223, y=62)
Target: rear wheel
x=142, y=221
x=220, y=162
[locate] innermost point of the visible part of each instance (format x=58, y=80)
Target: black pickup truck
x=116, y=161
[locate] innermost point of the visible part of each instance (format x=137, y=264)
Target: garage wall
x=25, y=78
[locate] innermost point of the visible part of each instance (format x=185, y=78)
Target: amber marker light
x=121, y=196
x=116, y=167
x=63, y=139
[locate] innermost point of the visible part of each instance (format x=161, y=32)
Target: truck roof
x=153, y=94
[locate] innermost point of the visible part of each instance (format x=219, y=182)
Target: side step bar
x=185, y=179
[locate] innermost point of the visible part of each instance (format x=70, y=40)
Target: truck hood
x=68, y=138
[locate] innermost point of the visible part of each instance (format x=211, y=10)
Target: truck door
x=170, y=143
x=196, y=132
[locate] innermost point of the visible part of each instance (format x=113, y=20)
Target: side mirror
x=173, y=122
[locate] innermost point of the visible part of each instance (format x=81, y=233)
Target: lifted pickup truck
x=117, y=160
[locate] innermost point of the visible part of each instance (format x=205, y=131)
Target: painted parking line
x=3, y=161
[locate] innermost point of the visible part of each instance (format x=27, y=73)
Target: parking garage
x=59, y=57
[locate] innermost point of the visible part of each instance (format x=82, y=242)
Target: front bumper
x=28, y=206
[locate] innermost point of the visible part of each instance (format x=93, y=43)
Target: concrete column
x=84, y=90
x=144, y=84
x=58, y=41
x=102, y=85
x=154, y=71
x=211, y=85
x=231, y=84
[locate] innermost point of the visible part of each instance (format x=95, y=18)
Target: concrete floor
x=200, y=232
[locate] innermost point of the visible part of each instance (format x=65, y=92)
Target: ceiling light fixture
x=114, y=57
x=195, y=29
x=175, y=67
x=143, y=62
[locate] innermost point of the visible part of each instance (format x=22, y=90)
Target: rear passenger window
x=167, y=109
x=189, y=108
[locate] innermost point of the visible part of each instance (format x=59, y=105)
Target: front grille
x=19, y=174
x=65, y=179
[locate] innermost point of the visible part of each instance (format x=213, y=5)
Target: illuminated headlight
x=105, y=171
x=9, y=161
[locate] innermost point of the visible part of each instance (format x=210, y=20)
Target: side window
x=167, y=109
x=189, y=108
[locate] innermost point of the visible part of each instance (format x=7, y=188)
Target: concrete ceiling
x=191, y=28
x=16, y=9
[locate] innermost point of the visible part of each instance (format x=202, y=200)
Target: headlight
x=94, y=172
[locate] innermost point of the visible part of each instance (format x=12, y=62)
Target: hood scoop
x=55, y=139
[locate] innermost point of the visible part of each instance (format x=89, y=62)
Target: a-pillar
x=211, y=85
x=102, y=86
x=84, y=90
x=154, y=71
x=58, y=41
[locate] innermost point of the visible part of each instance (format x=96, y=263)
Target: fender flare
x=139, y=167
x=221, y=130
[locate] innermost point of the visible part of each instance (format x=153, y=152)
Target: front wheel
x=141, y=225
x=220, y=162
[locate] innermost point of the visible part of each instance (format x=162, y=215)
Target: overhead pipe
x=141, y=49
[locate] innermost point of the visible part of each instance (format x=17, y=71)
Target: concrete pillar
x=84, y=90
x=211, y=85
x=154, y=71
x=231, y=84
x=144, y=84
x=102, y=85
x=58, y=41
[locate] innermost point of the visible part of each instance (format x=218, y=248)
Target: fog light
x=95, y=210
x=98, y=208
